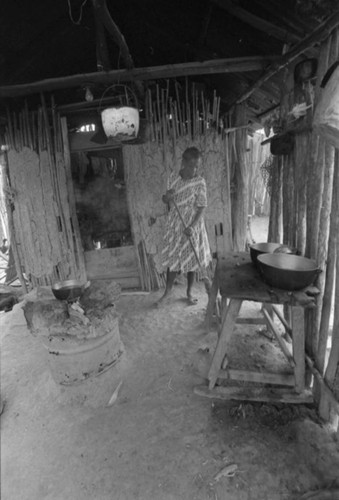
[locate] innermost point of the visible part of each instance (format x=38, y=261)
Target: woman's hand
x=168, y=196
x=198, y=214
x=189, y=231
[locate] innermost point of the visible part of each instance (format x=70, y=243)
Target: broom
x=207, y=281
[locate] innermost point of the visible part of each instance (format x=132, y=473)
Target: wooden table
x=237, y=280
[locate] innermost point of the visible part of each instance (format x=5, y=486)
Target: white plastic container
x=121, y=122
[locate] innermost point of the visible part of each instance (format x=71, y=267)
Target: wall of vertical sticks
x=189, y=113
x=174, y=125
x=305, y=203
x=44, y=229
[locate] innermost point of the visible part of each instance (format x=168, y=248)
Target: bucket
x=72, y=360
x=121, y=122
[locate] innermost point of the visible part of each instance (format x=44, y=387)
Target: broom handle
x=191, y=242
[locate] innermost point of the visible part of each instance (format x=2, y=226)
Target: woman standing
x=188, y=190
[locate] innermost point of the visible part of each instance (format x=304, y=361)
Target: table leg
x=211, y=302
x=227, y=327
x=298, y=342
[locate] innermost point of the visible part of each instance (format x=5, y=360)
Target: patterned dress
x=177, y=253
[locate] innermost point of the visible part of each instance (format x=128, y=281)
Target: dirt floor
x=158, y=440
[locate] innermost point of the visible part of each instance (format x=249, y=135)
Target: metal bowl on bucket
x=68, y=290
x=290, y=272
x=262, y=248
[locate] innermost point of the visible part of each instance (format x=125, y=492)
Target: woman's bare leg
x=190, y=281
x=170, y=278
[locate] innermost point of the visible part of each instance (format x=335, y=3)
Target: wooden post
x=212, y=301
x=227, y=225
x=332, y=366
x=103, y=62
x=325, y=211
x=241, y=201
x=71, y=200
x=298, y=340
x=226, y=331
x=302, y=144
x=332, y=255
x=278, y=337
x=275, y=222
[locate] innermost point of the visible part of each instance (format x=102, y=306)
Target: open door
x=102, y=212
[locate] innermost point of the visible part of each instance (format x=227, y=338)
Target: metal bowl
x=68, y=290
x=290, y=272
x=262, y=248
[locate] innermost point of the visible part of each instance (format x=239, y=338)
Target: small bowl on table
x=289, y=272
x=262, y=248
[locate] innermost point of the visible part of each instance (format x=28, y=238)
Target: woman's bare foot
x=192, y=301
x=165, y=299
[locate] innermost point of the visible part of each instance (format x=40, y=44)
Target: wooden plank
x=322, y=383
x=298, y=342
x=268, y=395
x=115, y=274
x=124, y=281
x=231, y=65
x=278, y=337
x=282, y=319
x=251, y=321
x=114, y=263
x=225, y=335
x=81, y=141
x=258, y=377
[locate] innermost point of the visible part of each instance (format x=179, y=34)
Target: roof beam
x=317, y=36
x=257, y=22
x=233, y=65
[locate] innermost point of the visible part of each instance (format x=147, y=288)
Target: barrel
x=74, y=360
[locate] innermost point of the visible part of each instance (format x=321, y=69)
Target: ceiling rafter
x=323, y=30
x=233, y=65
x=257, y=22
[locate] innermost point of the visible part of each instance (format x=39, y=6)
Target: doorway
x=101, y=200
x=103, y=215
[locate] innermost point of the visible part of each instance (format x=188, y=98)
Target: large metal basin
x=68, y=290
x=290, y=272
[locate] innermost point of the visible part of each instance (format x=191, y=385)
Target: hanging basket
x=326, y=115
x=122, y=121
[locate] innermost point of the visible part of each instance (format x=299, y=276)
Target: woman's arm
x=168, y=196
